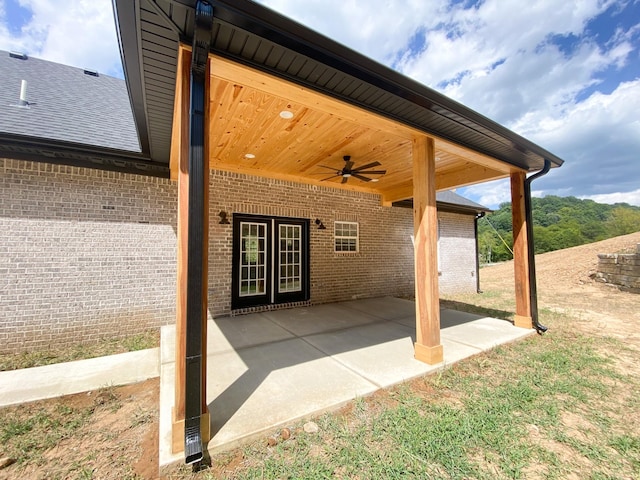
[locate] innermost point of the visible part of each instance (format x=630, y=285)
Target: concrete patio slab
x=252, y=389
x=312, y=360
x=319, y=318
x=484, y=333
x=407, y=321
x=232, y=333
x=384, y=308
x=362, y=348
x=456, y=351
x=448, y=318
x=451, y=318
x=284, y=381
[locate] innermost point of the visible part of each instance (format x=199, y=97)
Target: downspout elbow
x=533, y=291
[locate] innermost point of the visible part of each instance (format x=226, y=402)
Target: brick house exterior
x=238, y=113
x=457, y=253
x=88, y=254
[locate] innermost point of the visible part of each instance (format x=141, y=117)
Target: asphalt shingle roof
x=452, y=198
x=66, y=105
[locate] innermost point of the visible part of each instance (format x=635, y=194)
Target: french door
x=270, y=260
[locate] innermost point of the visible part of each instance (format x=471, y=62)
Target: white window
x=346, y=236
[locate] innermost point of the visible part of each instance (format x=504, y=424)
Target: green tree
x=558, y=222
x=623, y=220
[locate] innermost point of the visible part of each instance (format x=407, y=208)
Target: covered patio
x=233, y=87
x=286, y=365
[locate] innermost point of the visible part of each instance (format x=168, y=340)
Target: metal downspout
x=533, y=289
x=193, y=448
x=475, y=229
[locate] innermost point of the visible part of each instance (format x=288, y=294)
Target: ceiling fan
x=348, y=171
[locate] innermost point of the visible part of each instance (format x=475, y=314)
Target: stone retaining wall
x=621, y=270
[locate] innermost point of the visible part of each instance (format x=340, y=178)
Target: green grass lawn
x=28, y=359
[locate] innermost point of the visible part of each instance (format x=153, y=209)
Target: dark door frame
x=271, y=295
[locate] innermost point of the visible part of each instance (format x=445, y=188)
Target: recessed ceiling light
x=286, y=114
x=249, y=155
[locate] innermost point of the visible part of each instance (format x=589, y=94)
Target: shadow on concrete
x=309, y=335
x=476, y=310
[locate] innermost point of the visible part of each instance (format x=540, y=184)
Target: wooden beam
x=180, y=111
x=521, y=246
x=355, y=187
x=467, y=174
x=428, y=348
x=458, y=177
x=182, y=151
x=442, y=146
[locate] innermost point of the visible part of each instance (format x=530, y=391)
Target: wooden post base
x=177, y=432
x=429, y=355
x=523, y=322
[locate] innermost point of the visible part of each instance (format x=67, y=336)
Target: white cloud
x=493, y=31
x=497, y=56
x=79, y=33
x=490, y=194
x=632, y=198
x=378, y=29
x=599, y=138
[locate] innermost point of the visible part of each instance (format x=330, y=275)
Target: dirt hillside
x=564, y=284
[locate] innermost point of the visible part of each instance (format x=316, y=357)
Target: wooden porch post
x=428, y=348
x=521, y=247
x=181, y=125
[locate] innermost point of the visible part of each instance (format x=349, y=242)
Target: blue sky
x=565, y=75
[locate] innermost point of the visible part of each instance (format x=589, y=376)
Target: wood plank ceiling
x=248, y=135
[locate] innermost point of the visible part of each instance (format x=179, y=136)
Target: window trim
x=336, y=237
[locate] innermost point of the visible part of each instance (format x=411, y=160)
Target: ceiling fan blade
x=370, y=172
x=360, y=177
x=329, y=178
x=344, y=179
x=368, y=165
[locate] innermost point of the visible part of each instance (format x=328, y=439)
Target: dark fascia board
x=127, y=30
x=77, y=155
x=452, y=207
x=279, y=29
x=446, y=207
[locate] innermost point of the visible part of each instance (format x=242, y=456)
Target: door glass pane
x=252, y=259
x=289, y=254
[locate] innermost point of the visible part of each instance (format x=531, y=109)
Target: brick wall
x=84, y=254
x=621, y=270
x=87, y=254
x=383, y=266
x=457, y=253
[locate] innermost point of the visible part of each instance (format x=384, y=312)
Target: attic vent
x=93, y=73
x=21, y=56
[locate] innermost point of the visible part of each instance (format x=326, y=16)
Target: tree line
x=558, y=222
